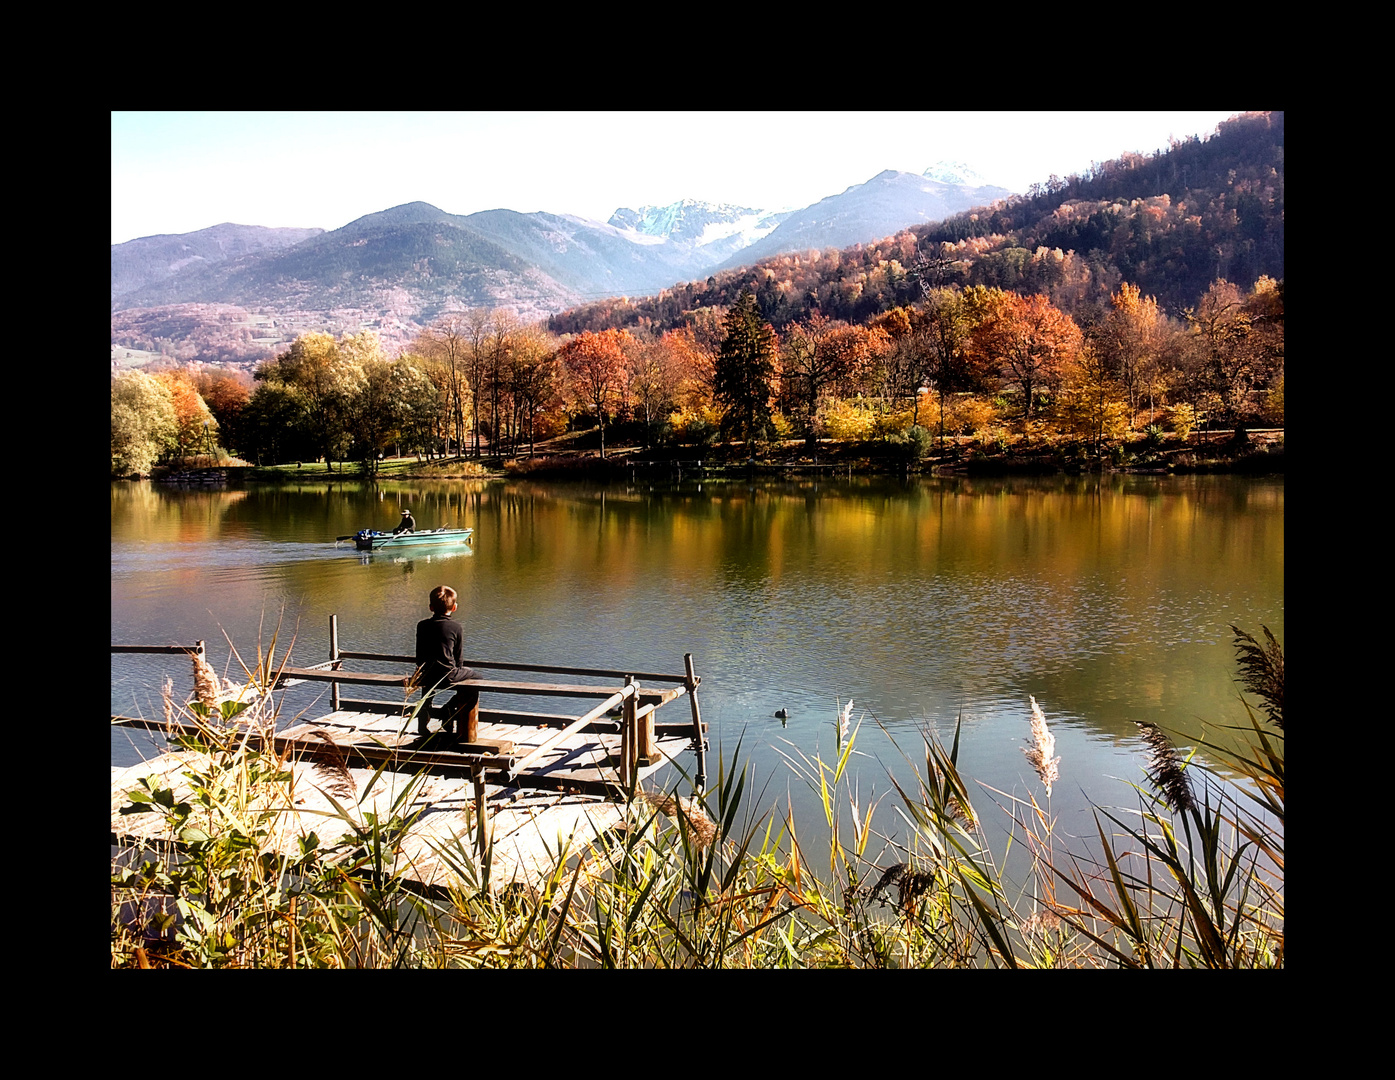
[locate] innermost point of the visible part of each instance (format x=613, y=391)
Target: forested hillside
x=1171, y=223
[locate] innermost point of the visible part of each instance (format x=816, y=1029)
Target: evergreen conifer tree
x=744, y=371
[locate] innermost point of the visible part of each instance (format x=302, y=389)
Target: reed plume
x=1262, y=671
x=332, y=767
x=701, y=828
x=1042, y=748
x=910, y=885
x=1166, y=771
x=207, y=688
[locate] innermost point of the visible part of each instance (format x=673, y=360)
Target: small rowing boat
x=372, y=540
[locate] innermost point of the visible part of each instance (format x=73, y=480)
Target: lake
x=925, y=601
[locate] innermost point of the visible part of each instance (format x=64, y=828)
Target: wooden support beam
x=486, y=686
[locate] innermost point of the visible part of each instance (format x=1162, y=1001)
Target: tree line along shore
x=974, y=378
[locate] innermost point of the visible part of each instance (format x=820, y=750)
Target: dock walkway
x=545, y=781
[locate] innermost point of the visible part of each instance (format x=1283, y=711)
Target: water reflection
x=1108, y=599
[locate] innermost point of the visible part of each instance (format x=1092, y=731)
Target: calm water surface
x=1108, y=599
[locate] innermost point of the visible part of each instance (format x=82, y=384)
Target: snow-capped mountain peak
x=954, y=172
x=698, y=223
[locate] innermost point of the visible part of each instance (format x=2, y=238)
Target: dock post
x=691, y=683
x=333, y=656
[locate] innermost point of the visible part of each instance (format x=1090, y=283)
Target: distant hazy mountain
x=398, y=269
x=152, y=259
x=412, y=260
x=886, y=204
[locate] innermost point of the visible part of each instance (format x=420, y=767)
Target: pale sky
x=176, y=172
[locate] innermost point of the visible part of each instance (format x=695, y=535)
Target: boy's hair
x=442, y=599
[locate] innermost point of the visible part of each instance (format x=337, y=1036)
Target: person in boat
x=440, y=643
x=407, y=524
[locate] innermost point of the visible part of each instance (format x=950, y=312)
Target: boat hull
x=372, y=540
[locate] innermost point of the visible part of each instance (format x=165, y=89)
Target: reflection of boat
x=372, y=540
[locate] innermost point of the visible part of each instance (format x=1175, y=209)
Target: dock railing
x=637, y=702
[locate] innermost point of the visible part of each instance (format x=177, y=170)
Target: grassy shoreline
x=1260, y=451
x=1190, y=875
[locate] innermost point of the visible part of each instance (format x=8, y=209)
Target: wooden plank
x=519, y=718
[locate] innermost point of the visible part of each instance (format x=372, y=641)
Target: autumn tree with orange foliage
x=818, y=355
x=692, y=356
x=1237, y=342
x=195, y=425
x=655, y=373
x=1132, y=342
x=1030, y=339
x=447, y=344
x=226, y=393
x=595, y=368
x=533, y=381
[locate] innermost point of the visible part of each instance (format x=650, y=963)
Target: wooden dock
x=521, y=786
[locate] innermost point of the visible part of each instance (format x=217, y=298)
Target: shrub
x=911, y=445
x=854, y=420
x=695, y=426
x=1183, y=420
x=549, y=425
x=1273, y=410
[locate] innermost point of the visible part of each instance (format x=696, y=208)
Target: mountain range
x=398, y=269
